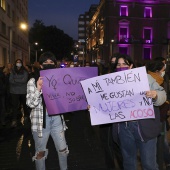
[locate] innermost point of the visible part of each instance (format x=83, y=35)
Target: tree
x=50, y=38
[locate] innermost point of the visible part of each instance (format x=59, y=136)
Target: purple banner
x=62, y=90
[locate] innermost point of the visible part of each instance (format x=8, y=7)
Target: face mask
x=165, y=66
x=18, y=64
x=98, y=60
x=122, y=69
x=71, y=65
x=48, y=66
x=163, y=73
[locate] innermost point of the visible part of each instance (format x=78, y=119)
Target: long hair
x=20, y=70
x=154, y=66
x=127, y=59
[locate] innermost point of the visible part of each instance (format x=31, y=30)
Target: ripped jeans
x=54, y=128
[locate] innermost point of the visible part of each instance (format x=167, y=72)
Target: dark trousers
x=17, y=100
x=163, y=153
x=2, y=108
x=160, y=148
x=111, y=148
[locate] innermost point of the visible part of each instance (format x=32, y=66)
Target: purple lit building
x=139, y=28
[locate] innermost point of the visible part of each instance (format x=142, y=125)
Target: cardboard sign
x=119, y=96
x=62, y=90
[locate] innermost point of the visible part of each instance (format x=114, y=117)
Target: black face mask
x=48, y=66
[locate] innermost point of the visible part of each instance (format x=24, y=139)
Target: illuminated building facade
x=13, y=41
x=139, y=28
x=83, y=22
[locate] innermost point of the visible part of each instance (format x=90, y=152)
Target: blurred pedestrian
x=2, y=98
x=8, y=103
x=10, y=67
x=156, y=69
x=109, y=138
x=42, y=124
x=18, y=85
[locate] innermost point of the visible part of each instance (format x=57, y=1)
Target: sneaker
x=13, y=124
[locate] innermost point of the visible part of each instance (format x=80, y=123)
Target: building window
x=147, y=35
x=123, y=10
x=123, y=50
x=123, y=34
x=81, y=34
x=81, y=28
x=147, y=53
x=148, y=12
x=8, y=10
x=2, y=4
x=3, y=28
x=81, y=22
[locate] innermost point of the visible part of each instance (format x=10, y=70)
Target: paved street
x=17, y=147
x=86, y=153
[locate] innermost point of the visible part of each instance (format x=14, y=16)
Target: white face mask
x=165, y=66
x=163, y=73
x=18, y=64
x=98, y=60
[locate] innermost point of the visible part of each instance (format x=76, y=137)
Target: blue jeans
x=54, y=128
x=130, y=142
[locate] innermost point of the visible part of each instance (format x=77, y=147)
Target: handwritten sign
x=118, y=96
x=62, y=90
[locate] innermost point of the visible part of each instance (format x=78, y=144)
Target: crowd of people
x=21, y=93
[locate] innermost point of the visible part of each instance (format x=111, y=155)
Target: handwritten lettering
x=97, y=88
x=141, y=113
x=127, y=78
x=76, y=99
x=119, y=94
x=53, y=96
x=52, y=82
x=70, y=93
x=117, y=115
x=68, y=80
x=114, y=106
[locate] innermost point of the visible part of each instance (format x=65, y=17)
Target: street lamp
x=111, y=46
x=36, y=43
x=23, y=26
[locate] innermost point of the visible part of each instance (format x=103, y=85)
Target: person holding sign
x=140, y=134
x=156, y=69
x=42, y=124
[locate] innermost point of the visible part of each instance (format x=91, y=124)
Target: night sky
x=61, y=13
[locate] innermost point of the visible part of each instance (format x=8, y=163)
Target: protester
x=109, y=140
x=140, y=134
x=10, y=67
x=42, y=124
x=157, y=70
x=8, y=104
x=18, y=85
